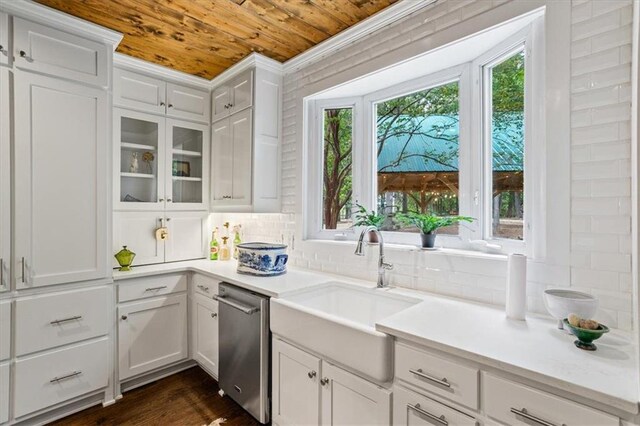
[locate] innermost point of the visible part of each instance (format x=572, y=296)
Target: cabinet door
x=204, y=332
x=241, y=169
x=49, y=51
x=186, y=236
x=412, y=409
x=152, y=334
x=187, y=165
x=242, y=92
x=5, y=369
x=221, y=162
x=350, y=400
x=5, y=180
x=137, y=231
x=220, y=100
x=188, y=103
x=5, y=57
x=296, y=386
x=61, y=177
x=133, y=90
x=139, y=160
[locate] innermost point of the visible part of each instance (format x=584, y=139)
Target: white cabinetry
x=60, y=182
x=57, y=53
x=5, y=179
x=5, y=56
x=152, y=334
x=413, y=409
x=232, y=97
x=311, y=391
x=137, y=230
x=5, y=329
x=204, y=332
x=5, y=370
x=150, y=94
x=245, y=159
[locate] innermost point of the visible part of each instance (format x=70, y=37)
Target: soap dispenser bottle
x=224, y=250
x=214, y=246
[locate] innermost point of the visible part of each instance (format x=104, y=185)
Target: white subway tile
x=610, y=224
x=594, y=279
x=595, y=62
x=613, y=300
x=601, y=7
x=619, y=187
x=611, y=151
x=597, y=25
x=594, y=134
x=617, y=262
x=595, y=98
x=580, y=48
x=611, y=76
x=581, y=12
x=614, y=38
x=611, y=113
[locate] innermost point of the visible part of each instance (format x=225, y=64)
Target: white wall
x=600, y=169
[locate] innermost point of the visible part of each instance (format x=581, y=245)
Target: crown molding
x=47, y=16
x=358, y=31
x=253, y=60
x=138, y=65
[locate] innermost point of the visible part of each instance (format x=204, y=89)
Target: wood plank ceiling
x=205, y=37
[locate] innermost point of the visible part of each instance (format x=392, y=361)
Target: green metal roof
x=434, y=146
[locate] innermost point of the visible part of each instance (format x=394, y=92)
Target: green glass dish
x=125, y=258
x=586, y=336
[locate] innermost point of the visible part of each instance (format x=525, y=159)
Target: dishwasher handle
x=249, y=310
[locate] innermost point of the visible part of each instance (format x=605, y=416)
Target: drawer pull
x=427, y=414
x=524, y=413
x=60, y=321
x=203, y=288
x=214, y=315
x=155, y=288
x=68, y=376
x=441, y=382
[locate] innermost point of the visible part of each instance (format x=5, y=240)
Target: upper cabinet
x=245, y=143
x=5, y=179
x=49, y=51
x=233, y=96
x=5, y=57
x=161, y=162
x=60, y=181
x=154, y=95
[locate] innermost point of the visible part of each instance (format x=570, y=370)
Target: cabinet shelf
x=137, y=175
x=186, y=153
x=139, y=146
x=187, y=179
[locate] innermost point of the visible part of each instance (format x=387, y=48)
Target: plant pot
x=373, y=237
x=428, y=240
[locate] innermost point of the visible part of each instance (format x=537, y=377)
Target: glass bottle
x=236, y=240
x=213, y=251
x=224, y=250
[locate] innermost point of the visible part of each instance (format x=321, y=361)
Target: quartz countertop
x=534, y=349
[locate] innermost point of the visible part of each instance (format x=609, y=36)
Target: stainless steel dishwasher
x=244, y=348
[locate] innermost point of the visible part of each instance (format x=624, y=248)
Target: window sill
x=412, y=248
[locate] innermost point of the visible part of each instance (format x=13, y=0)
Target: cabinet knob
x=1, y=48
x=160, y=199
x=124, y=317
x=214, y=315
x=161, y=103
x=170, y=105
x=324, y=381
x=312, y=374
x=23, y=54
x=168, y=200
x=168, y=219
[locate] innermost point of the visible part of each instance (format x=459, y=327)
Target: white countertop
x=294, y=279
x=534, y=349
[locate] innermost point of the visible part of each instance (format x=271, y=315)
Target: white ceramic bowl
x=561, y=302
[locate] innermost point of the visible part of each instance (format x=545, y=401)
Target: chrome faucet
x=382, y=265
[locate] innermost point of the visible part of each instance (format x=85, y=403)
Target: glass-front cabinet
x=159, y=162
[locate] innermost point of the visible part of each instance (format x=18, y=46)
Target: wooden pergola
x=442, y=182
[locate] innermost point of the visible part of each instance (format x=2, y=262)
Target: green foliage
x=364, y=217
x=428, y=223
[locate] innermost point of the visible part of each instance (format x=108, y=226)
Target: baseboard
x=155, y=375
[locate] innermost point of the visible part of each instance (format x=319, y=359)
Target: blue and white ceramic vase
x=262, y=259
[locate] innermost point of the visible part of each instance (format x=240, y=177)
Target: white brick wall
x=600, y=171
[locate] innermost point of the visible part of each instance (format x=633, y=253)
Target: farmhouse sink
x=337, y=320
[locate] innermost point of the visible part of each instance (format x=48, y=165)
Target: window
x=454, y=141
x=337, y=163
x=417, y=143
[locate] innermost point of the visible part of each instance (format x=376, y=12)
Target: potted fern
x=428, y=224
x=365, y=217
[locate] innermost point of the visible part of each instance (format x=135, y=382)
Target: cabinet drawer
x=515, y=404
x=5, y=58
x=151, y=286
x=185, y=102
x=49, y=51
x=51, y=320
x=4, y=391
x=411, y=409
x=434, y=374
x=205, y=285
x=5, y=330
x=56, y=376
x=135, y=90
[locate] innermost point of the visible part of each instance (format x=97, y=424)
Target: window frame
x=475, y=182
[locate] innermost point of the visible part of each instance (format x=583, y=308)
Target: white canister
x=517, y=287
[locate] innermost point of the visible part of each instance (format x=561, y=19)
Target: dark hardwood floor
x=188, y=398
